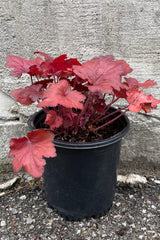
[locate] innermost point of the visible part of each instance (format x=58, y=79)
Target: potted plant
x=75, y=139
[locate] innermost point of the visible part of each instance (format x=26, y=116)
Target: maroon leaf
x=28, y=95
x=34, y=71
x=21, y=65
x=53, y=67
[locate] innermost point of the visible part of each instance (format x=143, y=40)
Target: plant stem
x=107, y=107
x=112, y=113
x=83, y=110
x=31, y=79
x=112, y=120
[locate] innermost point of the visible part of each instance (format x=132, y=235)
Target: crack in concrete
x=149, y=116
x=9, y=118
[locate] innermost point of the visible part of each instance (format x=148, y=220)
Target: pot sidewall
x=81, y=181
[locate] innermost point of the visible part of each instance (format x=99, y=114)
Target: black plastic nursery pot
x=81, y=181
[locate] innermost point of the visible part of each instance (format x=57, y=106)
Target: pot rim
x=86, y=145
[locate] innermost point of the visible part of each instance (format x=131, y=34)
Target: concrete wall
x=128, y=29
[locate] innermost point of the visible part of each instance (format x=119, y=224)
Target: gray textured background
x=129, y=30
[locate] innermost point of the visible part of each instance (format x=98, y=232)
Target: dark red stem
x=84, y=108
x=107, y=107
x=112, y=120
x=112, y=113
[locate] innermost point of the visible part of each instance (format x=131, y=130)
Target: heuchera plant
x=73, y=96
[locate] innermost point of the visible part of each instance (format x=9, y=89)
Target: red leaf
x=28, y=152
x=100, y=108
x=77, y=84
x=138, y=100
x=71, y=62
x=46, y=56
x=126, y=67
x=102, y=87
x=61, y=93
x=21, y=65
x=103, y=75
x=46, y=68
x=121, y=93
x=28, y=95
x=53, y=120
x=147, y=84
x=34, y=71
x=59, y=60
x=53, y=67
x=133, y=83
